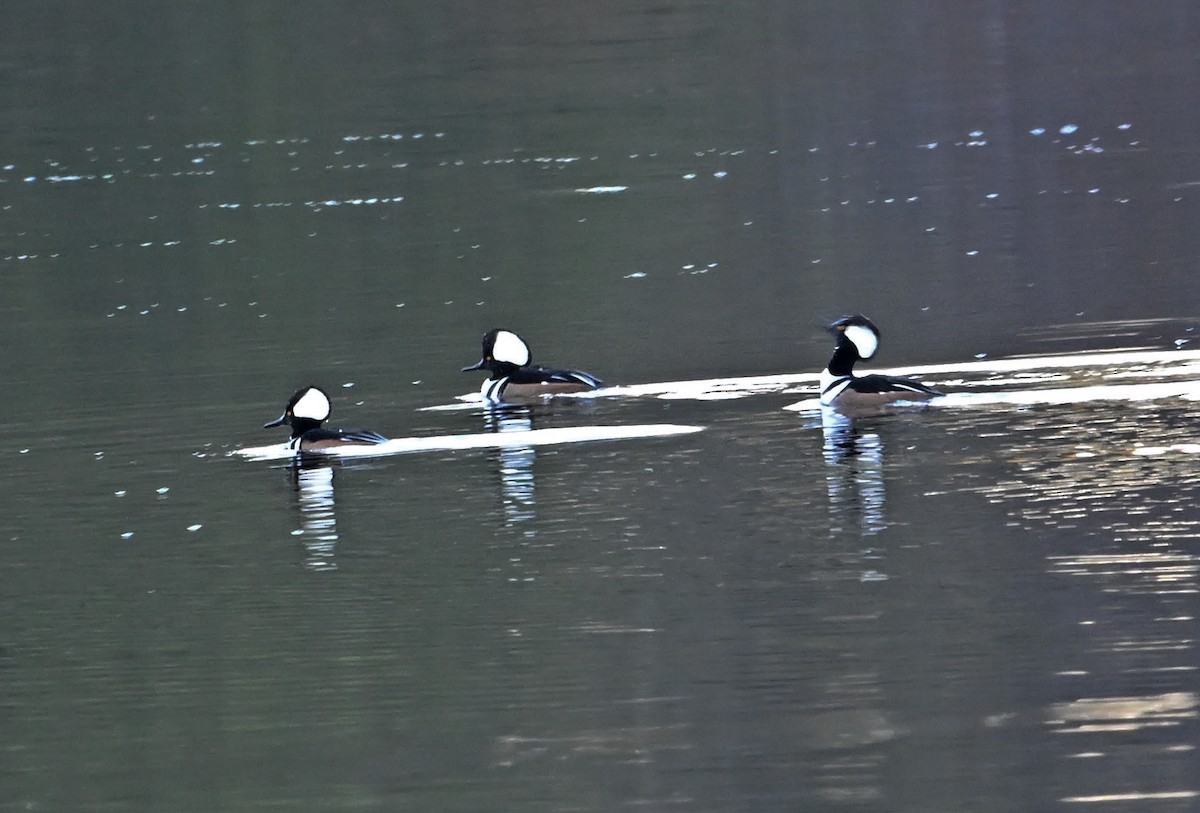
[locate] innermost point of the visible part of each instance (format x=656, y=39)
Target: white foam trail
x=807, y=405
x=714, y=389
x=753, y=385
x=1060, y=362
x=1154, y=451
x=1074, y=395
x=473, y=400
x=708, y=389
x=1189, y=390
x=486, y=440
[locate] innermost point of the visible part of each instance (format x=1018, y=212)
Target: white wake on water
x=1032, y=369
x=483, y=440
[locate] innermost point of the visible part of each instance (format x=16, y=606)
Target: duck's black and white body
x=305, y=412
x=513, y=376
x=858, y=339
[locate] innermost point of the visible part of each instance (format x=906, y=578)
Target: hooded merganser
x=507, y=358
x=858, y=339
x=305, y=412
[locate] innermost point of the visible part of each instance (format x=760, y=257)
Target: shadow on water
x=514, y=464
x=312, y=480
x=855, y=475
x=313, y=476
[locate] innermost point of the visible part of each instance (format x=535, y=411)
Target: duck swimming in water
x=513, y=375
x=305, y=413
x=857, y=340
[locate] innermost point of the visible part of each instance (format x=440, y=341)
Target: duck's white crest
x=509, y=348
x=312, y=405
x=865, y=340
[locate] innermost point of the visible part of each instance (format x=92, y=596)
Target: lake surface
x=987, y=604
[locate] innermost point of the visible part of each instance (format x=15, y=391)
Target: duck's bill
x=479, y=365
x=280, y=421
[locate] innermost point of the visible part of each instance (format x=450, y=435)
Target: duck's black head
x=504, y=352
x=306, y=410
x=858, y=332
x=857, y=339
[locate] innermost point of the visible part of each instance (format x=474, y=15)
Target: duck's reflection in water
x=517, y=486
x=854, y=474
x=312, y=479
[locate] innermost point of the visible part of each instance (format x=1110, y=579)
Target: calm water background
x=203, y=207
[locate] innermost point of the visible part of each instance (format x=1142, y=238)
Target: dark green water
x=985, y=607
